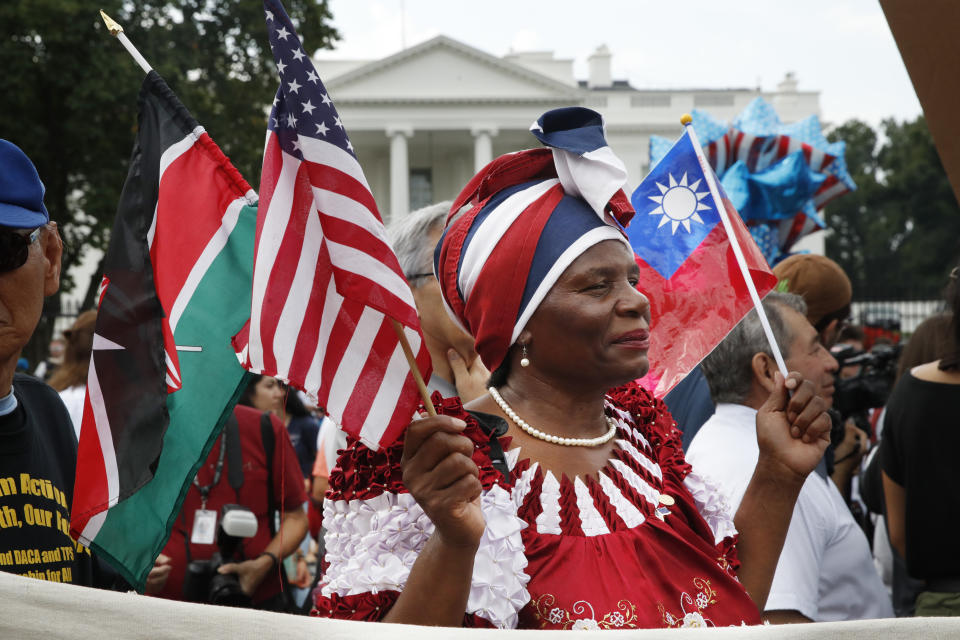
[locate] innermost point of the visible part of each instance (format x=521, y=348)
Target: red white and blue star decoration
x=778, y=176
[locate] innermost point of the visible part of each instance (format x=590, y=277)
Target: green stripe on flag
x=136, y=529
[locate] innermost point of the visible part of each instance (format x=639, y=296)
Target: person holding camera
x=825, y=571
x=251, y=464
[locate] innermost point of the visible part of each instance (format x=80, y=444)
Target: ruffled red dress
x=644, y=544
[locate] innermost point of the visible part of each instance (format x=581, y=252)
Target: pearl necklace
x=540, y=435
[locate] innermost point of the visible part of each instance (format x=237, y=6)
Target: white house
x=425, y=119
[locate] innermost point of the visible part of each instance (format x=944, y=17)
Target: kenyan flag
x=163, y=377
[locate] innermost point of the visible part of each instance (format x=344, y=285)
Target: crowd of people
x=551, y=490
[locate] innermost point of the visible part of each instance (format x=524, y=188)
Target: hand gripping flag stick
x=687, y=121
x=116, y=30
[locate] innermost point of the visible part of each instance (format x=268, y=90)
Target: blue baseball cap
x=21, y=192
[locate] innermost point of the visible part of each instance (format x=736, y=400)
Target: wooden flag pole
x=414, y=369
x=117, y=31
x=687, y=122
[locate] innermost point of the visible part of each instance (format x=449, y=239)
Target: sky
x=841, y=48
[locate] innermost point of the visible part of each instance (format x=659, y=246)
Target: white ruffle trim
x=499, y=587
x=522, y=486
x=649, y=493
x=630, y=515
x=712, y=505
x=591, y=522
x=549, y=519
x=372, y=546
x=512, y=456
x=641, y=459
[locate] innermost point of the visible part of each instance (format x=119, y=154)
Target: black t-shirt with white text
x=38, y=456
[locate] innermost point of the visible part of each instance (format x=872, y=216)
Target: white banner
x=38, y=609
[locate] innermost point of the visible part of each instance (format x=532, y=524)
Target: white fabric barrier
x=32, y=608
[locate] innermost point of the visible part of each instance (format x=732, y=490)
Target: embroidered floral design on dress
x=546, y=611
x=691, y=607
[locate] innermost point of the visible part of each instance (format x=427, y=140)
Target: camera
x=869, y=387
x=201, y=582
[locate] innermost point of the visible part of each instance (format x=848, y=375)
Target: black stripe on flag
x=132, y=371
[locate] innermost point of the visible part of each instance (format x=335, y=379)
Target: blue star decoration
x=301, y=108
x=777, y=196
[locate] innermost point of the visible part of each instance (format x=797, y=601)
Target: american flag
x=326, y=282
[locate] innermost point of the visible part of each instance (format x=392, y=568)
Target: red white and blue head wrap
x=521, y=221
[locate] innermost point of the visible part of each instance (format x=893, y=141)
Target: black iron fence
x=902, y=316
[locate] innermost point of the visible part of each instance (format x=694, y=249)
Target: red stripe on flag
x=285, y=268
x=374, y=295
x=374, y=369
x=345, y=232
x=174, y=382
x=90, y=492
x=270, y=175
x=309, y=331
x=343, y=329
x=180, y=192
x=240, y=342
x=331, y=179
x=409, y=399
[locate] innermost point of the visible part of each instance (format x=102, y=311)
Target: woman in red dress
x=561, y=500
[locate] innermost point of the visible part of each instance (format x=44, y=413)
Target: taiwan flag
x=163, y=377
x=688, y=269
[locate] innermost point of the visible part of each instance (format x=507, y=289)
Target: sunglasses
x=15, y=247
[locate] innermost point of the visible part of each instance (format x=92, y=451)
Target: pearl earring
x=524, y=361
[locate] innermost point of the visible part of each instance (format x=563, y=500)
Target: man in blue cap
x=38, y=448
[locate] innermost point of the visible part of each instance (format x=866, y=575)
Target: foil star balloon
x=779, y=176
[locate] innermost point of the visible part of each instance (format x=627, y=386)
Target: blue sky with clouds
x=842, y=48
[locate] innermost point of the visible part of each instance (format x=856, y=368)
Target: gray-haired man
x=825, y=572
x=457, y=369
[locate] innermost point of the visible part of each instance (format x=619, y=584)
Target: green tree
x=850, y=217
x=898, y=235
x=69, y=93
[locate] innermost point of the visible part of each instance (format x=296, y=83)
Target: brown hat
x=819, y=280
x=85, y=323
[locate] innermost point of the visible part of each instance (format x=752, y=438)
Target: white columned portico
x=482, y=145
x=399, y=170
